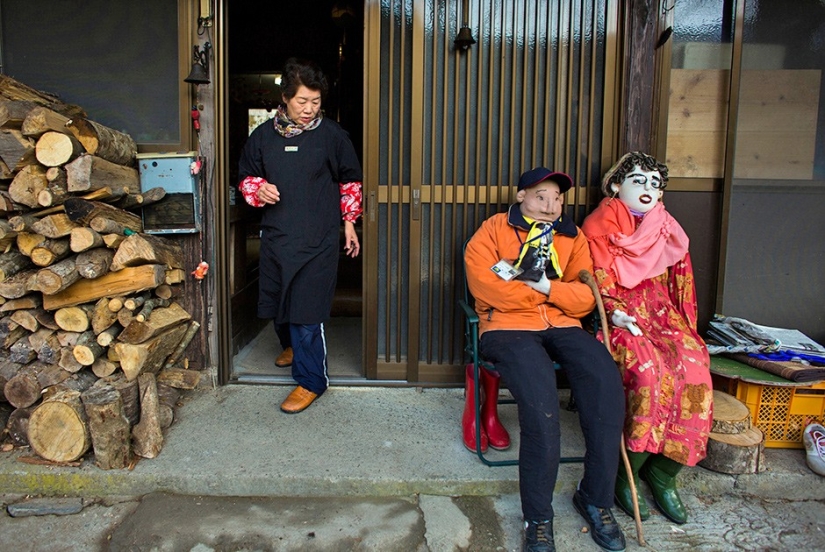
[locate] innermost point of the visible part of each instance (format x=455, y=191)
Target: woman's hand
x=621, y=319
x=351, y=245
x=269, y=194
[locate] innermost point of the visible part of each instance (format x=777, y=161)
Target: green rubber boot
x=660, y=473
x=624, y=495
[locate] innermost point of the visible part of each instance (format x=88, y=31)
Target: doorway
x=261, y=36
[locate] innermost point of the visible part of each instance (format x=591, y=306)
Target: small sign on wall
x=179, y=211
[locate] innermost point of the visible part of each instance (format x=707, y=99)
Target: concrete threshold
x=354, y=441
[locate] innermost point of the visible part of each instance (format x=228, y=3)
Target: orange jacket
x=513, y=305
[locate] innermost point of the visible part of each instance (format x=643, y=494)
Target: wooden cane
x=587, y=278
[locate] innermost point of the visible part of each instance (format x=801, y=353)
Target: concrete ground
x=364, y=469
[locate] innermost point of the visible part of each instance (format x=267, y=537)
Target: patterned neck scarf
x=538, y=253
x=288, y=128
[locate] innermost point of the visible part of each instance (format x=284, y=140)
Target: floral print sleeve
x=350, y=200
x=249, y=188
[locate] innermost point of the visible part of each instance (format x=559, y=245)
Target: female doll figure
x=643, y=269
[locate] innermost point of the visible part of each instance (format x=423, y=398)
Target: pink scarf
x=634, y=254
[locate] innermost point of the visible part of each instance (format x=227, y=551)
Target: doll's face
x=641, y=189
x=542, y=202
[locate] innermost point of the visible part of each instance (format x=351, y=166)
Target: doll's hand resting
x=542, y=286
x=623, y=320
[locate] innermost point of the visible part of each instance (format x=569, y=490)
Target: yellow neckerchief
x=540, y=241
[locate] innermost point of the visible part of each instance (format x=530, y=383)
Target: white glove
x=623, y=320
x=542, y=286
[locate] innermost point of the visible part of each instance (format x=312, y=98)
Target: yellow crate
x=780, y=411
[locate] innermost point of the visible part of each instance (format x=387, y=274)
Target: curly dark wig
x=623, y=166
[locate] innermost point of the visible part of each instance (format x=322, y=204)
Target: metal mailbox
x=179, y=211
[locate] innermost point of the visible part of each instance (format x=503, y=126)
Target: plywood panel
x=776, y=132
x=776, y=126
x=697, y=118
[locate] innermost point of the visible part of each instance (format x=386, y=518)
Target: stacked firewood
x=92, y=338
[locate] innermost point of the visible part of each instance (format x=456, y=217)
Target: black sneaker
x=603, y=527
x=538, y=536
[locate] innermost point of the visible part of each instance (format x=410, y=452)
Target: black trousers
x=523, y=358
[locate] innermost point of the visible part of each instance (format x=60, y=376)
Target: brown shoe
x=284, y=359
x=298, y=400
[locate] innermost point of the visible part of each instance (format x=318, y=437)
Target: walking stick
x=587, y=278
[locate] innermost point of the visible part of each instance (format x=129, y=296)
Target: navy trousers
x=523, y=358
x=309, y=347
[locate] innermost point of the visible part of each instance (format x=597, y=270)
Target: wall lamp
x=200, y=68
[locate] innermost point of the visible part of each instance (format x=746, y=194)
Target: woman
x=302, y=170
x=644, y=272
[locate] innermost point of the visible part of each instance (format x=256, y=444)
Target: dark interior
x=261, y=37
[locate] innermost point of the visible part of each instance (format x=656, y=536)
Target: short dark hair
x=623, y=166
x=299, y=72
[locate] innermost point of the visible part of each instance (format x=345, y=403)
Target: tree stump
x=147, y=436
x=730, y=415
x=17, y=426
x=736, y=453
x=108, y=426
x=58, y=429
x=734, y=446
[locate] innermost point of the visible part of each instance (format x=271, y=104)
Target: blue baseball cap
x=540, y=174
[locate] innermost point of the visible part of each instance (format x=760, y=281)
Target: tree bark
x=94, y=263
x=56, y=191
x=27, y=318
x=14, y=112
x=140, y=249
x=104, y=142
x=735, y=453
x=10, y=332
x=179, y=378
x=102, y=317
x=12, y=263
x=16, y=90
x=128, y=280
x=108, y=427
x=18, y=426
x=130, y=394
x=89, y=172
x=58, y=276
x=147, y=436
x=83, y=211
x=730, y=415
x=27, y=185
x=21, y=351
x=41, y=120
x=162, y=320
x=55, y=226
x=23, y=389
x=19, y=285
x=150, y=355
x=50, y=252
x=16, y=150
x=87, y=349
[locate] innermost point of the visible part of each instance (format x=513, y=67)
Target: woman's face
x=640, y=189
x=304, y=106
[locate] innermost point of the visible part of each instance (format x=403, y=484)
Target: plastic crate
x=780, y=411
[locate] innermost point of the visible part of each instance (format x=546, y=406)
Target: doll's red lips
x=645, y=198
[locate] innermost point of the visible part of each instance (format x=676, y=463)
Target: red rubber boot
x=497, y=435
x=468, y=420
